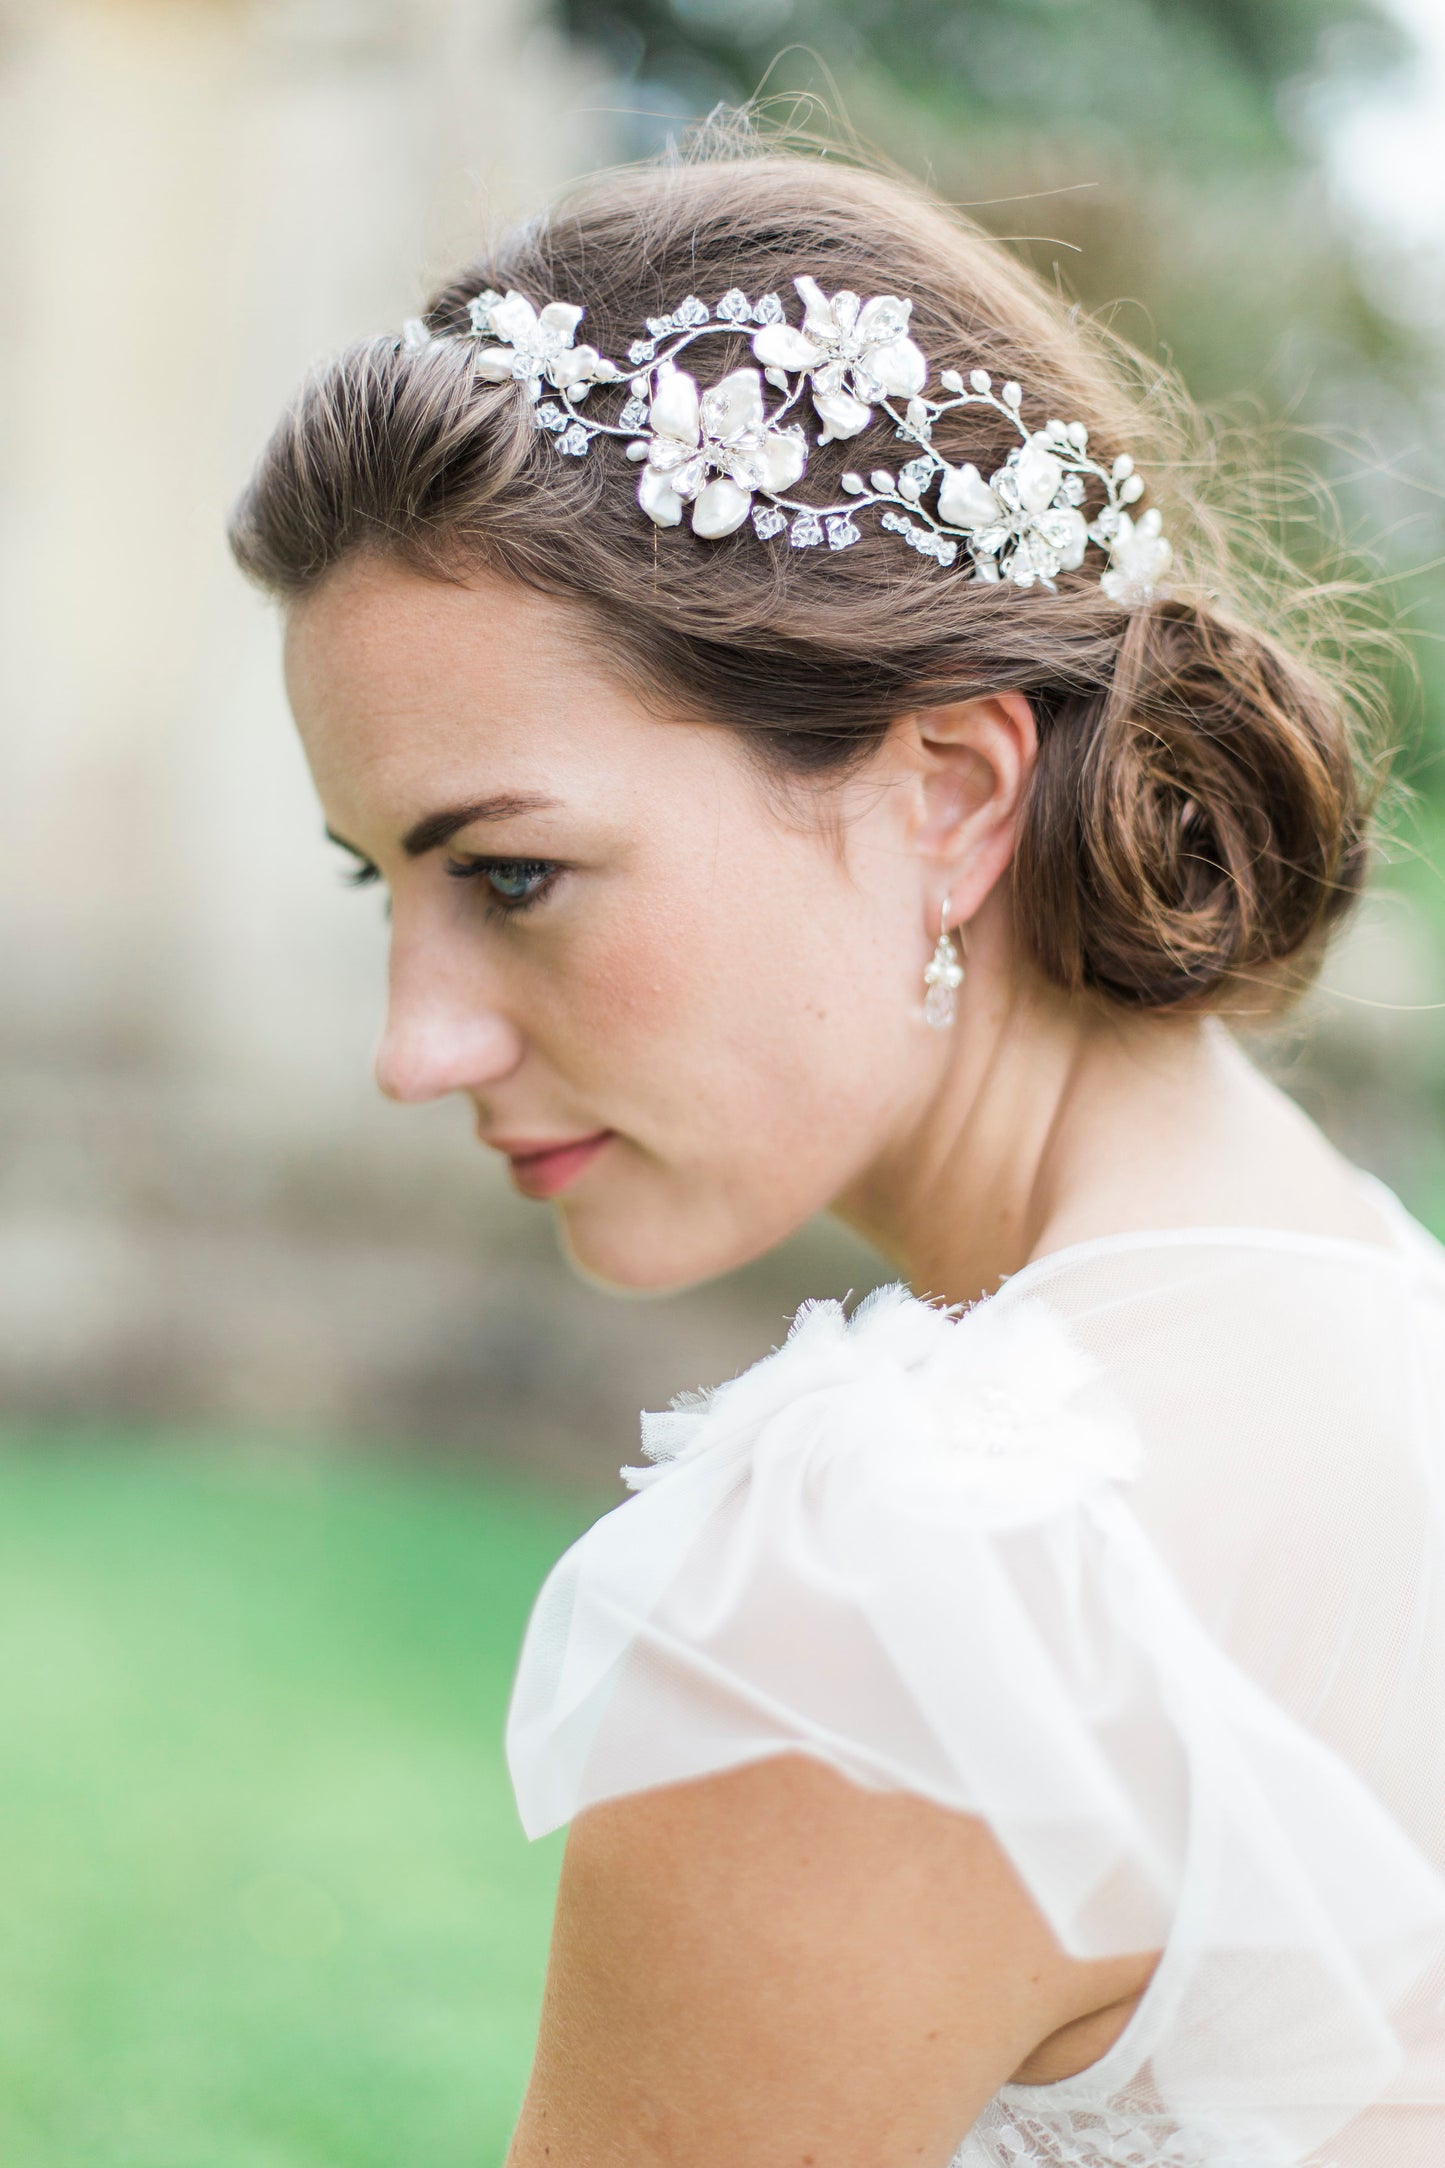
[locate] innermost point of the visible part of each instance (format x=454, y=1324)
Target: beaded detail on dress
x=1009, y=2135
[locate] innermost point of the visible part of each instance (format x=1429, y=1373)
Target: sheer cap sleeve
x=905, y=1544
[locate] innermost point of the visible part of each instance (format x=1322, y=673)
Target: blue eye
x=515, y=883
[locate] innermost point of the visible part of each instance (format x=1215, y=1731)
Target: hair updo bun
x=1196, y=826
x=1198, y=818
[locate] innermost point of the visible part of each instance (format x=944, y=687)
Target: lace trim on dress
x=1007, y=2136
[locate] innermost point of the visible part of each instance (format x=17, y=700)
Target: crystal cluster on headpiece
x=720, y=456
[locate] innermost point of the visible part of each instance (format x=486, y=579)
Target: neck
x=1053, y=1121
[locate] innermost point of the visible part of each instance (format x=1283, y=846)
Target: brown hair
x=1198, y=816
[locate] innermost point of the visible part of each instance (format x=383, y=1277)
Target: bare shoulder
x=776, y=1964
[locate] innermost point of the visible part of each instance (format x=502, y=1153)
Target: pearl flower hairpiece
x=719, y=456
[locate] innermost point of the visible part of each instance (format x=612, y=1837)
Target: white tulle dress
x=1143, y=1561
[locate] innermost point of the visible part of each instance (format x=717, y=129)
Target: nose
x=425, y=1059
x=442, y=1034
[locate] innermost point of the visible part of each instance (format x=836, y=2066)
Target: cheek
x=718, y=1009
x=755, y=1049
x=625, y=983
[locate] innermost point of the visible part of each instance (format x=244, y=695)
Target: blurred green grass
x=267, y=1904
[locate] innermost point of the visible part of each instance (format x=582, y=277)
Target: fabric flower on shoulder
x=1000, y=1400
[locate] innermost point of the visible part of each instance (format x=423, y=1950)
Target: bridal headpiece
x=719, y=453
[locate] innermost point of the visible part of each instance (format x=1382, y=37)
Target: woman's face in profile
x=608, y=930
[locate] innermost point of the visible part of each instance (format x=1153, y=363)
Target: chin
x=648, y=1253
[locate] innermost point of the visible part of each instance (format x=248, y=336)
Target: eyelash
x=477, y=869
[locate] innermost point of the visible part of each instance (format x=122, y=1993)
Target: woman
x=994, y=1734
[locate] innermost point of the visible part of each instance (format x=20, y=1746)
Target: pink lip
x=545, y=1170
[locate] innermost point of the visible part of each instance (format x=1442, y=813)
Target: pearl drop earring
x=943, y=976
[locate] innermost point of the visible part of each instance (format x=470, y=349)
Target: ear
x=974, y=760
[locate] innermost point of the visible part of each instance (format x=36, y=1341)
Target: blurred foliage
x=267, y=1905
x=1193, y=83
x=1163, y=160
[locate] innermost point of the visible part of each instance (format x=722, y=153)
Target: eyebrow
x=434, y=829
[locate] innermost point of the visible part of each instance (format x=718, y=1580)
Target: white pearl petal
x=779, y=346
x=883, y=319
x=844, y=415
x=515, y=319
x=1039, y=476
x=733, y=404
x=495, y=363
x=674, y=409
x=845, y=307
x=965, y=499
x=720, y=509
x=782, y=459
x=578, y=365
x=818, y=317
x=658, y=498
x=900, y=367
x=559, y=318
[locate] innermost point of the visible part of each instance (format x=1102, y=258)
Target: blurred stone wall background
x=206, y=1214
